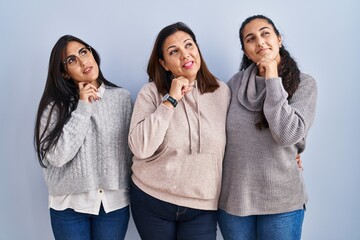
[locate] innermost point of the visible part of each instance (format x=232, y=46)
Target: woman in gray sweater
x=81, y=141
x=271, y=111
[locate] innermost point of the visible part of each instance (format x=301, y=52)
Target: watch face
x=165, y=97
x=172, y=101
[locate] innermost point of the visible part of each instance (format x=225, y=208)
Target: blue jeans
x=282, y=226
x=71, y=225
x=159, y=220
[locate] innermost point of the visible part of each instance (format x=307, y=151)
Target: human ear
x=280, y=41
x=163, y=64
x=246, y=55
x=66, y=76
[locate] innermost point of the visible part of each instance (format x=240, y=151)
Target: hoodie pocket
x=196, y=176
x=179, y=173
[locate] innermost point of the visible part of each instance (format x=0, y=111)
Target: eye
x=188, y=45
x=250, y=39
x=172, y=52
x=71, y=60
x=83, y=52
x=265, y=33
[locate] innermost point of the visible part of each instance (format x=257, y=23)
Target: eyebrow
x=187, y=39
x=259, y=31
x=172, y=46
x=75, y=53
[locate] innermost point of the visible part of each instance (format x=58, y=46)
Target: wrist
x=168, y=98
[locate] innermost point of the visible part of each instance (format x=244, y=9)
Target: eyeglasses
x=72, y=60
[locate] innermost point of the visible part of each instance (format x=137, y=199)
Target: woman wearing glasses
x=81, y=142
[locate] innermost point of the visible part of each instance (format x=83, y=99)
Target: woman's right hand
x=268, y=68
x=179, y=87
x=87, y=92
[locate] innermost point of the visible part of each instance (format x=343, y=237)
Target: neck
x=96, y=83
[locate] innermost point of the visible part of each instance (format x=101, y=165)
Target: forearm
x=289, y=121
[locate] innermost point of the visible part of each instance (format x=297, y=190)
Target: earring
x=67, y=77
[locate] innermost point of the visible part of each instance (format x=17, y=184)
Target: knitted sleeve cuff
x=275, y=90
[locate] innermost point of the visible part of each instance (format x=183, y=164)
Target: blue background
x=323, y=36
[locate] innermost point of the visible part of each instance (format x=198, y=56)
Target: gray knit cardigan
x=92, y=151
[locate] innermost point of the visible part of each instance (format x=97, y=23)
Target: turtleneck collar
x=252, y=89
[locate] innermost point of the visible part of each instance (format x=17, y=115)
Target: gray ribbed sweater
x=260, y=174
x=92, y=151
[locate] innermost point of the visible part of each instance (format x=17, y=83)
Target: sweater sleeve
x=149, y=123
x=289, y=121
x=72, y=135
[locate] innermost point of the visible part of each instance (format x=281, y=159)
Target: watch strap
x=169, y=98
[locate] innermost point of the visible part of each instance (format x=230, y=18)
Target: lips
x=188, y=64
x=87, y=70
x=262, y=50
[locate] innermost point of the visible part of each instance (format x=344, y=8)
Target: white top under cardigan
x=90, y=202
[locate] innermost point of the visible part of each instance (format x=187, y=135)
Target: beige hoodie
x=178, y=153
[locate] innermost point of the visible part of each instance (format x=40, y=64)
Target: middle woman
x=177, y=136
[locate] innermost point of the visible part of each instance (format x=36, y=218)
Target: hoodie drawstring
x=198, y=112
x=187, y=117
x=198, y=118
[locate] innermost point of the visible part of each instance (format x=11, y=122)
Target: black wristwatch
x=169, y=98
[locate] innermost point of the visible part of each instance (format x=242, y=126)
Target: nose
x=184, y=54
x=82, y=61
x=260, y=42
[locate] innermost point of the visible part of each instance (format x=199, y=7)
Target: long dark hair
x=60, y=94
x=207, y=82
x=288, y=69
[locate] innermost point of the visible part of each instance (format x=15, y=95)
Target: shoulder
x=51, y=107
x=149, y=87
x=222, y=84
x=307, y=88
x=235, y=78
x=119, y=93
x=223, y=87
x=221, y=95
x=308, y=80
x=307, y=77
x=118, y=90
